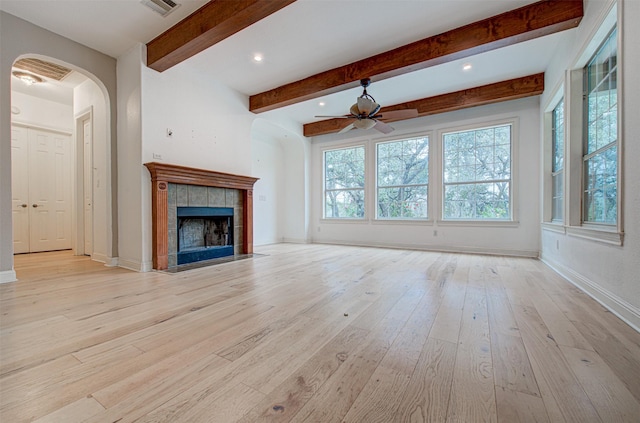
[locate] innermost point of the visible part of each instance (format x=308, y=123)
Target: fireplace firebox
x=204, y=233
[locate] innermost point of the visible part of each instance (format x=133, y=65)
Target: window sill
x=414, y=222
x=480, y=223
x=554, y=227
x=344, y=220
x=604, y=235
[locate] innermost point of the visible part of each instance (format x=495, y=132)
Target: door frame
x=77, y=229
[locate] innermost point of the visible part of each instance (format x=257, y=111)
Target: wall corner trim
x=7, y=276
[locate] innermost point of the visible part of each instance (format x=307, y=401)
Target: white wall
x=19, y=38
x=296, y=188
x=211, y=123
x=132, y=222
x=519, y=239
x=88, y=96
x=609, y=273
x=269, y=210
x=280, y=203
x=42, y=113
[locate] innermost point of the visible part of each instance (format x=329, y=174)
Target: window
x=344, y=183
x=477, y=174
x=402, y=178
x=600, y=159
x=557, y=162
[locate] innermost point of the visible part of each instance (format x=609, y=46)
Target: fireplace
x=204, y=233
x=191, y=192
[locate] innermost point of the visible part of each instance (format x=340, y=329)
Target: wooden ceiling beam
x=205, y=27
x=526, y=23
x=512, y=89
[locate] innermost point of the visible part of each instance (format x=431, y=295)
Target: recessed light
x=257, y=58
x=467, y=66
x=321, y=104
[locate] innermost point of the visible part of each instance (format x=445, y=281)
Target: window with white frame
x=344, y=183
x=402, y=178
x=600, y=153
x=477, y=174
x=557, y=163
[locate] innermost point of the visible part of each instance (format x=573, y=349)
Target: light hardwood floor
x=312, y=333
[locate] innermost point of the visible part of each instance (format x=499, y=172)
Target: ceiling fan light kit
x=365, y=112
x=27, y=78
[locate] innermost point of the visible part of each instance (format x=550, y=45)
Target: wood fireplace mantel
x=162, y=174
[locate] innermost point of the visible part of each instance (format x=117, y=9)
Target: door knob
x=34, y=205
x=23, y=206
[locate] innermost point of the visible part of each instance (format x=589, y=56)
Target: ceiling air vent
x=163, y=7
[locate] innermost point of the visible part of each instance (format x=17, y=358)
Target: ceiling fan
x=365, y=113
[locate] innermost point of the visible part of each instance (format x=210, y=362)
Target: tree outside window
x=600, y=159
x=402, y=178
x=477, y=174
x=344, y=183
x=557, y=165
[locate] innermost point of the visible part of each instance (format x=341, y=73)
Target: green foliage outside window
x=402, y=179
x=344, y=183
x=477, y=174
x=557, y=165
x=601, y=152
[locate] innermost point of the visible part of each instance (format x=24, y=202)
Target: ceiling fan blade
x=399, y=114
x=346, y=128
x=383, y=127
x=337, y=117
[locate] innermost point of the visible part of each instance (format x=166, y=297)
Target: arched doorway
x=43, y=156
x=24, y=40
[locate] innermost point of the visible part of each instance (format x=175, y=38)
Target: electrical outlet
x=169, y=132
x=157, y=156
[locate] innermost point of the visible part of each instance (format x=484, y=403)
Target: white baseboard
x=135, y=265
x=103, y=258
x=440, y=248
x=295, y=241
x=629, y=313
x=7, y=276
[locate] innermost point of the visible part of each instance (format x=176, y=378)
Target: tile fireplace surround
x=164, y=174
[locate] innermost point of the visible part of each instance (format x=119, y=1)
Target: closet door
x=49, y=190
x=41, y=190
x=20, y=188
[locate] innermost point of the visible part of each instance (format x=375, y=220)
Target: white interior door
x=87, y=191
x=49, y=190
x=41, y=190
x=20, y=188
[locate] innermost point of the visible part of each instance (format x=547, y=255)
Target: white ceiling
x=306, y=37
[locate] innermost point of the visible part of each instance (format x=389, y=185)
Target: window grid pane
x=557, y=196
x=402, y=178
x=557, y=139
x=344, y=183
x=600, y=161
x=477, y=174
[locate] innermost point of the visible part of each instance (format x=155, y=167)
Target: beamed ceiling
x=200, y=31
x=318, y=50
